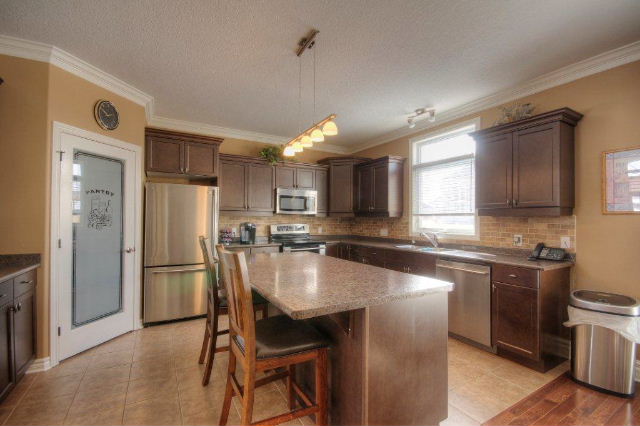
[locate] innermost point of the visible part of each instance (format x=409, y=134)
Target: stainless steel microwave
x=296, y=201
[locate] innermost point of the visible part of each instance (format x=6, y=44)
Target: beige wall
x=608, y=247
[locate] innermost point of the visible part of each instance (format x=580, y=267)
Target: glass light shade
x=288, y=151
x=297, y=146
x=306, y=141
x=317, y=135
x=330, y=128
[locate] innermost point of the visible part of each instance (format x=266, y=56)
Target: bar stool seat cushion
x=257, y=300
x=281, y=336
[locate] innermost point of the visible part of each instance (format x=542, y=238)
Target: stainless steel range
x=296, y=237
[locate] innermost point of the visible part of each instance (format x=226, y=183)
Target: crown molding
x=602, y=62
x=226, y=132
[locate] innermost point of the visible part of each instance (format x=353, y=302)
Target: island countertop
x=306, y=285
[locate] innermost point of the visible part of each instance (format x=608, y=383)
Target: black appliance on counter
x=247, y=233
x=295, y=237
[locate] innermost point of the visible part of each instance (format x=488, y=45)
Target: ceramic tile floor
x=151, y=377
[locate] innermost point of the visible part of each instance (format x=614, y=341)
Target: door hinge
x=59, y=331
x=61, y=153
x=59, y=243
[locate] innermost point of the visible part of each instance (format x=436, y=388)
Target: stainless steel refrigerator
x=176, y=215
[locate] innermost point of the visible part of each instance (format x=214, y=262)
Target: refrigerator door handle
x=168, y=271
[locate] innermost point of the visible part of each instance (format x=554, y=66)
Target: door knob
x=130, y=249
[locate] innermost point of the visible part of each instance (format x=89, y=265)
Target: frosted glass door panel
x=97, y=237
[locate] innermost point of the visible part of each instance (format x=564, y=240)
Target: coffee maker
x=247, y=233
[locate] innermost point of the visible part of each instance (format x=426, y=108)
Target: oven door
x=313, y=248
x=296, y=201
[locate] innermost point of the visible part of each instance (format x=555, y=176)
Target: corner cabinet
x=246, y=186
x=379, y=187
x=341, y=184
x=17, y=329
x=526, y=168
x=181, y=154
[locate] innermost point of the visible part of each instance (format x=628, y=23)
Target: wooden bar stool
x=268, y=344
x=217, y=305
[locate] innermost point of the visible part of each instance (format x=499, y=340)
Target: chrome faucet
x=432, y=237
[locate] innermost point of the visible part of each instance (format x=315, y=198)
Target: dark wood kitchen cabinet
x=342, y=184
x=246, y=186
x=181, y=154
x=528, y=308
x=379, y=187
x=526, y=168
x=291, y=175
x=17, y=329
x=322, y=186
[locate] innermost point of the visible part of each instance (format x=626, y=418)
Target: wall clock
x=106, y=115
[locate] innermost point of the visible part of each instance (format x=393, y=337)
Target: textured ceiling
x=232, y=63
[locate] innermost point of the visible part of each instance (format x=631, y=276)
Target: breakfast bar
x=388, y=358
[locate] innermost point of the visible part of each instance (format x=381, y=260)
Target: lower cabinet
x=515, y=319
x=17, y=329
x=401, y=261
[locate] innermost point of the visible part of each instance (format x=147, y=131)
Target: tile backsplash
x=494, y=231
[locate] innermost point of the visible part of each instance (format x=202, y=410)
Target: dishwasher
x=470, y=300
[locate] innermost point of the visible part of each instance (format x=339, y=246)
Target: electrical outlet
x=384, y=232
x=234, y=231
x=319, y=229
x=565, y=242
x=517, y=240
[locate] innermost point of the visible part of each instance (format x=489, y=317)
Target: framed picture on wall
x=621, y=181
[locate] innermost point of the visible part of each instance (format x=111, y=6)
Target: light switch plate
x=319, y=229
x=565, y=242
x=517, y=240
x=234, y=231
x=384, y=232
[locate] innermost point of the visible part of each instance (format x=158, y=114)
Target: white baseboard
x=38, y=365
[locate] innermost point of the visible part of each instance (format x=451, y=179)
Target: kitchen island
x=388, y=359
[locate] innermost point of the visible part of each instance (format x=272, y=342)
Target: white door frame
x=60, y=129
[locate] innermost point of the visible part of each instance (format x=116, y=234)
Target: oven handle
x=305, y=249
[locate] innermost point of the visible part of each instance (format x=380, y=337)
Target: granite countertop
x=322, y=285
x=463, y=255
x=12, y=265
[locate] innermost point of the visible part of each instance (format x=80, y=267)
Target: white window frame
x=413, y=144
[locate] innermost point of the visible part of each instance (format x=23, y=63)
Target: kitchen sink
x=407, y=246
x=435, y=249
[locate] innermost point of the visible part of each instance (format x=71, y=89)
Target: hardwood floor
x=564, y=402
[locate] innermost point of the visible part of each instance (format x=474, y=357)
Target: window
x=443, y=182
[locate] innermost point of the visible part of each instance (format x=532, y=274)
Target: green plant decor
x=271, y=154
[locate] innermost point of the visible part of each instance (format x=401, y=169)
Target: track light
x=421, y=114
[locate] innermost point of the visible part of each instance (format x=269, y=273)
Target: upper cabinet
x=526, y=168
x=246, y=186
x=289, y=175
x=175, y=153
x=379, y=187
x=341, y=185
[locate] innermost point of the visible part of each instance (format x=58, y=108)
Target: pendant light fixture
x=320, y=129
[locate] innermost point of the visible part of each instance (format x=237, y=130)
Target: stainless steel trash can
x=601, y=357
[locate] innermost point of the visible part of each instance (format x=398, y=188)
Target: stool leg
x=321, y=387
x=228, y=395
x=205, y=340
x=291, y=393
x=248, y=390
x=265, y=311
x=213, y=341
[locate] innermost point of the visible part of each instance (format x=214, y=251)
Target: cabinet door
x=260, y=196
x=305, y=178
x=164, y=155
x=341, y=188
x=515, y=319
x=24, y=331
x=332, y=250
x=536, y=167
x=201, y=159
x=268, y=249
x=396, y=266
x=6, y=366
x=232, y=182
x=285, y=177
x=380, y=190
x=321, y=185
x=365, y=188
x=494, y=172
x=425, y=265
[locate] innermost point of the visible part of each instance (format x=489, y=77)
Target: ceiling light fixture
x=320, y=129
x=421, y=114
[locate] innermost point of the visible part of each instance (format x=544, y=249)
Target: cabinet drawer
x=24, y=283
x=266, y=249
x=6, y=292
x=515, y=275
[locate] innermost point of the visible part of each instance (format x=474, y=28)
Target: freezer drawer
x=174, y=292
